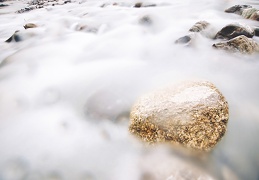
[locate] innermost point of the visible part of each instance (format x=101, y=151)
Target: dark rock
x=237, y=9
x=183, y=40
x=138, y=5
x=256, y=30
x=3, y=5
x=241, y=44
x=15, y=37
x=27, y=9
x=199, y=26
x=233, y=30
x=67, y=1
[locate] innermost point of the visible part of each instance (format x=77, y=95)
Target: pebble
x=192, y=114
x=29, y=25
x=233, y=30
x=240, y=44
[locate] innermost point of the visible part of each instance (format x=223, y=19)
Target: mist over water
x=65, y=94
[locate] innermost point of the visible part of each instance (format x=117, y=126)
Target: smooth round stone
x=233, y=30
x=192, y=114
x=240, y=44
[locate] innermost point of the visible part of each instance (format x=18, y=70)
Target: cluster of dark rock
x=245, y=11
x=21, y=35
x=236, y=37
x=37, y=4
x=136, y=5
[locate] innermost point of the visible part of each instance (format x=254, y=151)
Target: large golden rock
x=193, y=114
x=240, y=44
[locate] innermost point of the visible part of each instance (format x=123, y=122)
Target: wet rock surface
x=193, y=114
x=246, y=11
x=233, y=30
x=237, y=9
x=241, y=44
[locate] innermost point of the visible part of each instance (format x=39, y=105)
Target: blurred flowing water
x=65, y=94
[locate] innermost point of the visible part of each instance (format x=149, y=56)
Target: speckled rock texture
x=240, y=44
x=191, y=114
x=199, y=26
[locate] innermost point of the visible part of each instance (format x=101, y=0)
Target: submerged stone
x=145, y=20
x=241, y=44
x=192, y=114
x=237, y=9
x=233, y=30
x=184, y=40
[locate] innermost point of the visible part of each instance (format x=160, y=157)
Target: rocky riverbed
x=71, y=72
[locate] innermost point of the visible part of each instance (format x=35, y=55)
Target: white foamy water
x=65, y=94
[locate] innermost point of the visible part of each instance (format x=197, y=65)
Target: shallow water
x=65, y=94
